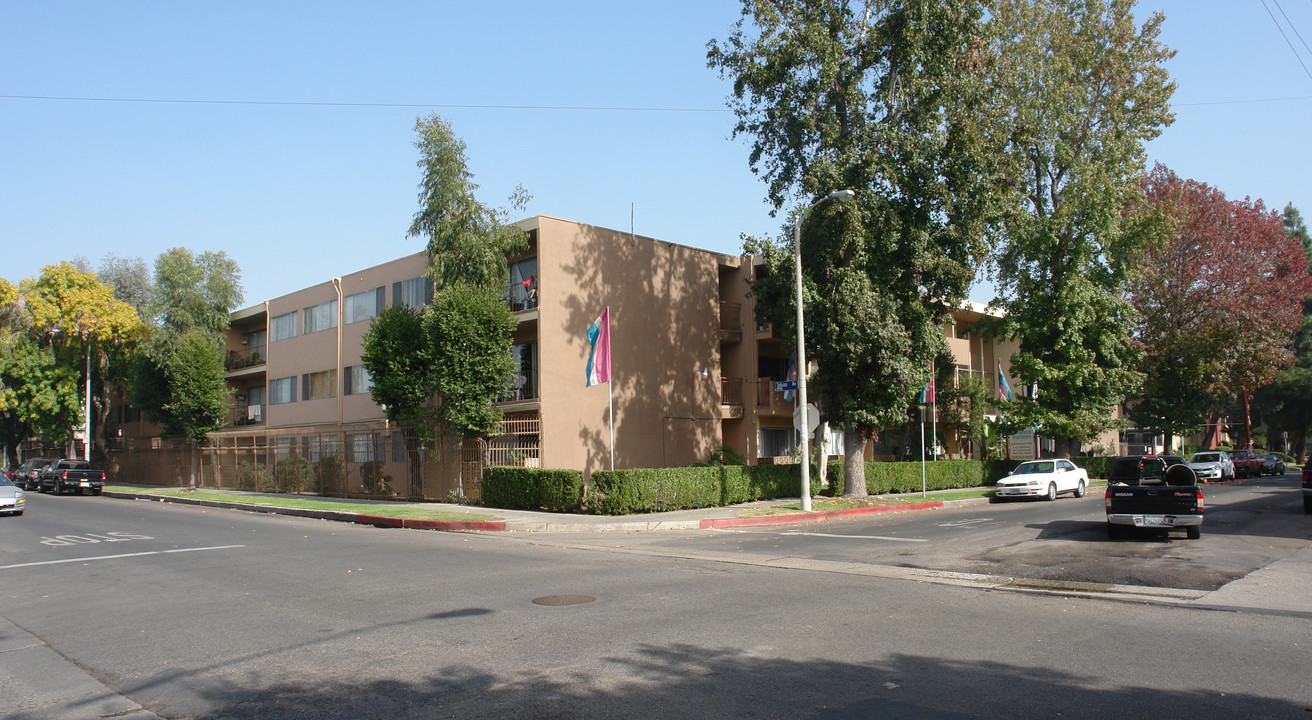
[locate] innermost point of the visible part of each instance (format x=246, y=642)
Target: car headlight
x=18, y=494
x=1033, y=483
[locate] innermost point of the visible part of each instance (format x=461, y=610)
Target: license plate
x=86, y=484
x=1157, y=520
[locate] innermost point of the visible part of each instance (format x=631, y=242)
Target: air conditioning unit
x=245, y=339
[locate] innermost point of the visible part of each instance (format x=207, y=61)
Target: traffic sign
x=812, y=420
x=785, y=386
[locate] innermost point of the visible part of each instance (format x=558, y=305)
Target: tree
x=1263, y=297
x=1287, y=402
x=78, y=316
x=468, y=327
x=399, y=358
x=887, y=101
x=1173, y=287
x=37, y=394
x=178, y=381
x=1081, y=89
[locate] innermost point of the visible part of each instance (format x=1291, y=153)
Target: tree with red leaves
x=1219, y=291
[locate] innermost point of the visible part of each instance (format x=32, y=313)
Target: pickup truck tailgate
x=1154, y=499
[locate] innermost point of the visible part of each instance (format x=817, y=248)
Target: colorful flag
x=792, y=376
x=1004, y=390
x=599, y=357
x=927, y=392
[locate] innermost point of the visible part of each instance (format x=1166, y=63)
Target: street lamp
x=841, y=196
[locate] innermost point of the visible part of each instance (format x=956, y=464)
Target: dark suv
x=1307, y=486
x=27, y=475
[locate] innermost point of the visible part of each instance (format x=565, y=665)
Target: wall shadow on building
x=664, y=310
x=682, y=680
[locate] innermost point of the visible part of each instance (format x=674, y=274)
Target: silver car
x=11, y=498
x=1212, y=466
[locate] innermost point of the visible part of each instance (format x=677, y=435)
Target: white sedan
x=11, y=498
x=1044, y=478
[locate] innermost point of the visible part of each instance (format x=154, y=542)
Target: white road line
x=856, y=537
x=116, y=557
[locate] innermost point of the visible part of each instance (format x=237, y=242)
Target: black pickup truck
x=75, y=475
x=1143, y=491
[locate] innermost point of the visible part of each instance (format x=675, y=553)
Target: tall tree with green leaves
x=38, y=393
x=71, y=311
x=398, y=355
x=886, y=100
x=1079, y=89
x=1286, y=403
x=469, y=324
x=179, y=381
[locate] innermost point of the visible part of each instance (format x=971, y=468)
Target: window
x=523, y=291
x=361, y=447
x=777, y=442
x=282, y=390
x=284, y=326
x=319, y=385
x=321, y=317
x=364, y=306
x=523, y=380
x=317, y=447
x=398, y=449
x=414, y=293
x=282, y=448
x=355, y=380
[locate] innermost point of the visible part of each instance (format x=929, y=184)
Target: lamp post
x=841, y=196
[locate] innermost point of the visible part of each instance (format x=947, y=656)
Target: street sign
x=785, y=386
x=812, y=420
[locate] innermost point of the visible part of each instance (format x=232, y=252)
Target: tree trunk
x=416, y=468
x=854, y=463
x=195, y=460
x=1248, y=421
x=822, y=450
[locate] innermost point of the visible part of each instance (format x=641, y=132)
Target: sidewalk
x=549, y=522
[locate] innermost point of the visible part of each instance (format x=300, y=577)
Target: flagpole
x=610, y=390
x=922, y=451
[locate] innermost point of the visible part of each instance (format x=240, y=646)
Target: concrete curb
x=380, y=521
x=811, y=517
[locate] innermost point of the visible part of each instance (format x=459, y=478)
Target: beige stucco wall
x=664, y=307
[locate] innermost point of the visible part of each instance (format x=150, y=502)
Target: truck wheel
x=97, y=491
x=1113, y=531
x=1052, y=491
x=1193, y=532
x=1307, y=504
x=1080, y=490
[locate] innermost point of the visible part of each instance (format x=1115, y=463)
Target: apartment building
x=692, y=368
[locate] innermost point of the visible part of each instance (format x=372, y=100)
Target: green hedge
x=904, y=477
x=521, y=488
x=621, y=492
x=1097, y=467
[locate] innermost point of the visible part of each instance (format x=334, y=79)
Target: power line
x=1286, y=37
x=288, y=103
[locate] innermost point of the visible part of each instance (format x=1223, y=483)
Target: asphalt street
x=188, y=612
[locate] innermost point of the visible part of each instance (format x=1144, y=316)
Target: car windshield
x=1205, y=457
x=5, y=481
x=1034, y=467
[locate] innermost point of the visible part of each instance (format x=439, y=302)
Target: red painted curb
x=449, y=525
x=381, y=521
x=809, y=517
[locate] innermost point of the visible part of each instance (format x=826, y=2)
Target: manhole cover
x=564, y=600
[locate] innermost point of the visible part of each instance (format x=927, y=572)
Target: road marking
x=116, y=557
x=855, y=537
x=964, y=523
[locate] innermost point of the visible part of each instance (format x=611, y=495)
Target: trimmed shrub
x=521, y=488
x=373, y=480
x=330, y=475
x=290, y=474
x=639, y=490
x=1097, y=467
x=904, y=477
x=254, y=477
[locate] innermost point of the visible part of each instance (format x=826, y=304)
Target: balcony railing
x=244, y=414
x=523, y=387
x=731, y=391
x=238, y=359
x=520, y=296
x=731, y=324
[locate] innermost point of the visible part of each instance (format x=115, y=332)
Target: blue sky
x=603, y=111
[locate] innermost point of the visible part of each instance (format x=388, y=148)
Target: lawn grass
x=397, y=510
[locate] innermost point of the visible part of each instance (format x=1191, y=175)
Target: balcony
x=731, y=324
x=731, y=398
x=243, y=414
x=522, y=388
x=770, y=401
x=242, y=359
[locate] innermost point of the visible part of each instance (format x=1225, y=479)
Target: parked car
x=1212, y=465
x=1272, y=464
x=74, y=475
x=1144, y=492
x=10, y=471
x=29, y=472
x=11, y=498
x=1246, y=463
x=1307, y=486
x=1044, y=478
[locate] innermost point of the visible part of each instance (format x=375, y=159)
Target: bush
x=254, y=477
x=904, y=477
x=291, y=473
x=521, y=488
x=621, y=492
x=373, y=480
x=1097, y=467
x=330, y=475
